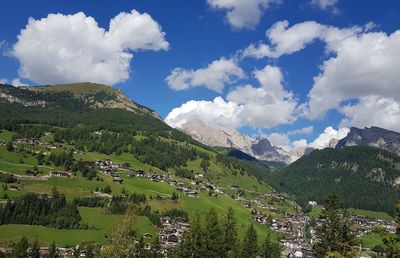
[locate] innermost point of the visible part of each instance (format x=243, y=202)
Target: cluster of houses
x=36, y=141
x=108, y=167
x=44, y=252
x=364, y=225
x=172, y=232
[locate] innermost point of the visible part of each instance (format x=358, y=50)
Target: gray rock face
x=373, y=136
x=259, y=148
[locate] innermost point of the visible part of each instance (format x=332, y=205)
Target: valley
x=103, y=159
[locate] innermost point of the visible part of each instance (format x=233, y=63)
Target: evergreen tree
x=391, y=243
x=89, y=252
x=53, y=251
x=230, y=234
x=10, y=146
x=270, y=249
x=213, y=235
x=249, y=245
x=334, y=232
x=35, y=250
x=20, y=249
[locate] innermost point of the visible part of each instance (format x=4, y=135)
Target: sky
x=298, y=72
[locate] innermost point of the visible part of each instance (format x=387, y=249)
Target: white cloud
x=326, y=5
x=15, y=82
x=217, y=113
x=304, y=130
x=279, y=139
x=214, y=77
x=265, y=106
x=373, y=111
x=242, y=14
x=323, y=140
x=70, y=48
x=364, y=65
x=287, y=40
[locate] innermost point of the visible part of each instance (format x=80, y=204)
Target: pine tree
x=270, y=249
x=249, y=246
x=89, y=252
x=213, y=235
x=35, y=250
x=20, y=249
x=334, y=232
x=230, y=233
x=53, y=251
x=10, y=146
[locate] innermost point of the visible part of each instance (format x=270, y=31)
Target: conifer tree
x=230, y=233
x=334, y=232
x=250, y=246
x=20, y=249
x=270, y=249
x=213, y=235
x=35, y=250
x=391, y=243
x=53, y=251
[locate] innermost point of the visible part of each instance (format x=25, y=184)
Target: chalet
x=69, y=252
x=166, y=220
x=60, y=174
x=140, y=173
x=13, y=188
x=30, y=173
x=173, y=238
x=117, y=179
x=147, y=235
x=2, y=142
x=192, y=194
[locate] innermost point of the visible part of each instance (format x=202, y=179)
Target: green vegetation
x=361, y=176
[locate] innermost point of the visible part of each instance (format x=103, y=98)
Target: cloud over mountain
x=214, y=77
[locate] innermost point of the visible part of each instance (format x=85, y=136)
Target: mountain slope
x=92, y=94
x=364, y=177
x=373, y=136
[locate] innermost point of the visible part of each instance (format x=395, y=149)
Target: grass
x=371, y=214
x=6, y=135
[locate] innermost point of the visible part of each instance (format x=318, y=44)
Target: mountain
x=213, y=137
x=259, y=148
x=373, y=136
x=363, y=177
x=93, y=95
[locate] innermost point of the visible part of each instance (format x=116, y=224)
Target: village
x=294, y=227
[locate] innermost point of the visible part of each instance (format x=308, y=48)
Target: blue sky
x=199, y=32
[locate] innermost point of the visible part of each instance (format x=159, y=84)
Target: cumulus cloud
x=363, y=65
x=14, y=82
x=287, y=40
x=323, y=140
x=279, y=139
x=267, y=105
x=69, y=48
x=304, y=130
x=242, y=14
x=373, y=111
x=326, y=5
x=214, y=77
x=217, y=113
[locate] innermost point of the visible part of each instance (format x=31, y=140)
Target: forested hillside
x=363, y=177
